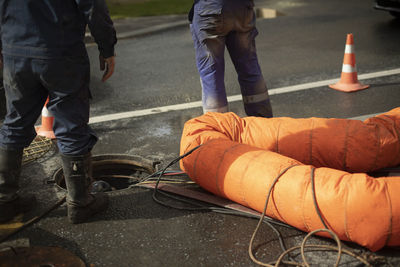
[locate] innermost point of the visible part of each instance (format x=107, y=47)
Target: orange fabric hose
x=240, y=157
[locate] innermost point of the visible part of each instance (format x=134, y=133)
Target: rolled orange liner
x=240, y=157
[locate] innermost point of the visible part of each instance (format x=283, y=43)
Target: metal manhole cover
x=38, y=256
x=39, y=146
x=114, y=172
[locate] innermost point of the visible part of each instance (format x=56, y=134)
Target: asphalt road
x=156, y=73
x=304, y=45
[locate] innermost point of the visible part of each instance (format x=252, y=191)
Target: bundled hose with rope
x=240, y=157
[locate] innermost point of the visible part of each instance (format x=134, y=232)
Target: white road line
x=364, y=117
x=143, y=112
x=196, y=104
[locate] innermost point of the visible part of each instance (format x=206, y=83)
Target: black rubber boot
x=81, y=204
x=11, y=203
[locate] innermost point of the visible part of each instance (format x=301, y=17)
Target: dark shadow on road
x=138, y=203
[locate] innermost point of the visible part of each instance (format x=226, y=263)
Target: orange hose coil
x=240, y=157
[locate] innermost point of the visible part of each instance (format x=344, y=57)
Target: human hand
x=108, y=65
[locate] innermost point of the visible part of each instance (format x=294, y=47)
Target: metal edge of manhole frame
x=147, y=165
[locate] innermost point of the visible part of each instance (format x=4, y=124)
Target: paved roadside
x=139, y=26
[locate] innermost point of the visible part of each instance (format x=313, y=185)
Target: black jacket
x=54, y=28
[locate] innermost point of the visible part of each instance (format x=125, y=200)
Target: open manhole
x=113, y=172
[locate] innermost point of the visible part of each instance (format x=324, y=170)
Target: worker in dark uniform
x=214, y=25
x=44, y=55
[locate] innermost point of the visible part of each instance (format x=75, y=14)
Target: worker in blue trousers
x=44, y=55
x=214, y=25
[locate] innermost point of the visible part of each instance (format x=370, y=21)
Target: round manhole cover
x=113, y=172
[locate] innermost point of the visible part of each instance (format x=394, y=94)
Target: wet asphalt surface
x=304, y=45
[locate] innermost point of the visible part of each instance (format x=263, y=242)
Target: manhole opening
x=113, y=172
x=267, y=13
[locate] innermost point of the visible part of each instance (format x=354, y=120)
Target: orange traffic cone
x=348, y=80
x=46, y=129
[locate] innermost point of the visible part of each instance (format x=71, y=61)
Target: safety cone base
x=49, y=134
x=348, y=87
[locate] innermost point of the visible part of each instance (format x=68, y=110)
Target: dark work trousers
x=28, y=82
x=231, y=24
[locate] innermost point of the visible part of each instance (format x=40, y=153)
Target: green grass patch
x=139, y=8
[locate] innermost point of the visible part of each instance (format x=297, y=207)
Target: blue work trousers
x=231, y=24
x=28, y=82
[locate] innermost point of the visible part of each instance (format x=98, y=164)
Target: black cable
x=264, y=213
x=267, y=220
x=312, y=177
x=161, y=173
x=33, y=220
